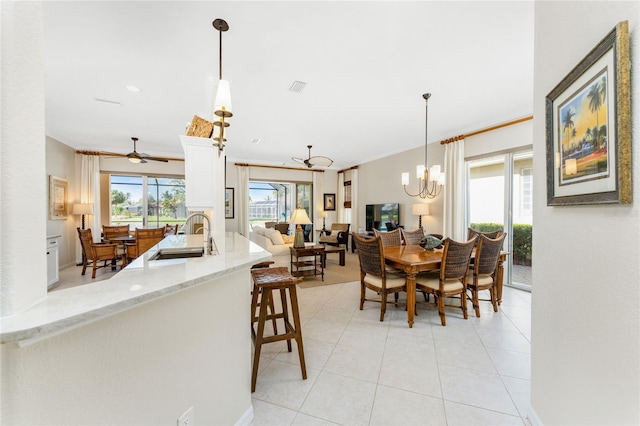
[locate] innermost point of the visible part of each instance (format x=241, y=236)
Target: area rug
x=333, y=273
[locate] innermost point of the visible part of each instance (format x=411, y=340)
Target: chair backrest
x=455, y=259
x=492, y=234
x=114, y=231
x=390, y=226
x=147, y=238
x=170, y=229
x=86, y=239
x=370, y=254
x=487, y=254
x=391, y=238
x=269, y=224
x=283, y=227
x=412, y=238
x=340, y=227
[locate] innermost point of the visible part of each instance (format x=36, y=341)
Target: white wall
x=145, y=366
x=23, y=181
x=586, y=298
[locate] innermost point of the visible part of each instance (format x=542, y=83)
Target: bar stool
x=265, y=281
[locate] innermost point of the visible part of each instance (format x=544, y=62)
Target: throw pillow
x=288, y=239
x=275, y=236
x=259, y=230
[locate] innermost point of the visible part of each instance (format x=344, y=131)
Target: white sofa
x=272, y=240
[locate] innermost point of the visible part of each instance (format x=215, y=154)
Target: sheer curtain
x=354, y=201
x=243, y=200
x=454, y=209
x=318, y=201
x=340, y=210
x=90, y=191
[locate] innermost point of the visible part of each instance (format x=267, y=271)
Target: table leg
x=342, y=262
x=411, y=298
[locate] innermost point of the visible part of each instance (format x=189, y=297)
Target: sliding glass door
x=500, y=197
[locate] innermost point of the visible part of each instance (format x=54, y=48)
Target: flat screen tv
x=378, y=215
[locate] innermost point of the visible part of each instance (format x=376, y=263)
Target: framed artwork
x=329, y=202
x=228, y=203
x=588, y=128
x=58, y=189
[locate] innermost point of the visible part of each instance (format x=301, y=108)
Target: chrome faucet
x=209, y=239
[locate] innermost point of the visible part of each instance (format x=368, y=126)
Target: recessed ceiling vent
x=297, y=86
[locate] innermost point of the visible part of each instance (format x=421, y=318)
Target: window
x=147, y=201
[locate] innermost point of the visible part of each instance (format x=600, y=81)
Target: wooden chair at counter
x=373, y=274
x=145, y=239
x=97, y=252
x=482, y=275
x=451, y=279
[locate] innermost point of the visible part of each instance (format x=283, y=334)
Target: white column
x=23, y=191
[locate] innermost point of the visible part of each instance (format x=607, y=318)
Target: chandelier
x=430, y=181
x=222, y=104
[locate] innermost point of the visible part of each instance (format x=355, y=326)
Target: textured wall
x=585, y=311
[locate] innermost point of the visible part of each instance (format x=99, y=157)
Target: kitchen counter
x=140, y=282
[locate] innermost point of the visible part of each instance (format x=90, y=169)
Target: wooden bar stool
x=265, y=281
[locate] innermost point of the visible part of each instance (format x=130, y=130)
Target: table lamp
x=324, y=217
x=298, y=218
x=420, y=210
x=82, y=209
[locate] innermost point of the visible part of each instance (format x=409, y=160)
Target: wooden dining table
x=413, y=259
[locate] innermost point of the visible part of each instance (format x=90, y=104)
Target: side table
x=307, y=261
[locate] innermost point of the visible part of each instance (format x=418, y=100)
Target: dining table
x=413, y=259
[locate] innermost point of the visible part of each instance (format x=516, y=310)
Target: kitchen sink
x=177, y=253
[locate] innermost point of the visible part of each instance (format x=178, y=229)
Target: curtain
x=90, y=192
x=340, y=210
x=354, y=201
x=243, y=200
x=318, y=201
x=454, y=209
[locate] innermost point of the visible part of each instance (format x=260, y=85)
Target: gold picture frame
x=58, y=195
x=588, y=128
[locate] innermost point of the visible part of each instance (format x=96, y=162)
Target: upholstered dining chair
x=451, y=280
x=390, y=238
x=95, y=253
x=412, y=238
x=145, y=239
x=373, y=275
x=482, y=275
x=490, y=234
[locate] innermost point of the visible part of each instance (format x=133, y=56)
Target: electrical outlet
x=187, y=418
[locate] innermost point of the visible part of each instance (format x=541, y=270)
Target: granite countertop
x=141, y=281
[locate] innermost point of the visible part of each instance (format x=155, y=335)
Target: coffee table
x=328, y=250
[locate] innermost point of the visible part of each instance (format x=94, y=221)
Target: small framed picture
x=228, y=203
x=57, y=198
x=329, y=202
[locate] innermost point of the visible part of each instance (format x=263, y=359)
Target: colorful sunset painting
x=582, y=121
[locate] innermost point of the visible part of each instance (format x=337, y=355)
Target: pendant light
x=222, y=105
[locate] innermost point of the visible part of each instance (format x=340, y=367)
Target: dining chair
x=110, y=231
x=490, y=234
x=170, y=229
x=389, y=238
x=412, y=238
x=482, y=274
x=97, y=252
x=145, y=239
x=373, y=274
x=451, y=280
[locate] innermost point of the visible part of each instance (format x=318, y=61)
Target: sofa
x=272, y=240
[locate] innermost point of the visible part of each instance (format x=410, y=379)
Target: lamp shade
x=300, y=217
x=421, y=209
x=82, y=208
x=323, y=214
x=222, y=104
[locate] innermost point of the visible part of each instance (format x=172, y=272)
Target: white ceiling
x=366, y=65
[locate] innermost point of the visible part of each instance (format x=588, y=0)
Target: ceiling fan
x=136, y=157
x=316, y=160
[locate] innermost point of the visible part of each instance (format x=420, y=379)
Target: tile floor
x=361, y=371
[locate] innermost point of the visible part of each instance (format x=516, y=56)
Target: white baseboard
x=246, y=418
x=533, y=418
